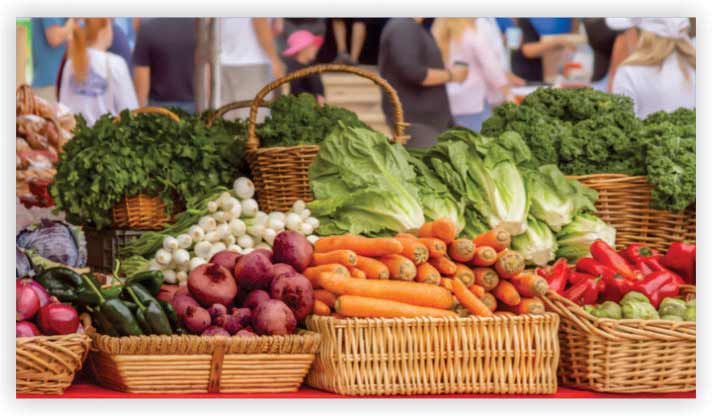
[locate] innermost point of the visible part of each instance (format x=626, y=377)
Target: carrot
x=357, y=273
x=364, y=307
x=469, y=300
x=373, y=268
x=461, y=311
x=529, y=284
x=413, y=293
x=399, y=267
x=461, y=250
x=444, y=265
x=477, y=290
x=446, y=282
x=321, y=308
x=436, y=248
x=426, y=273
x=532, y=306
x=489, y=300
x=344, y=257
x=442, y=228
x=509, y=263
x=325, y=296
x=363, y=246
x=497, y=239
x=506, y=293
x=406, y=235
x=485, y=256
x=486, y=277
x=312, y=273
x=464, y=274
x=414, y=250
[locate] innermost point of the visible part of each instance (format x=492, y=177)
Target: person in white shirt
x=248, y=59
x=95, y=82
x=461, y=41
x=660, y=74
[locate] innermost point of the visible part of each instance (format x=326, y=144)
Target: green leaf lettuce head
x=537, y=245
x=575, y=239
x=434, y=195
x=363, y=184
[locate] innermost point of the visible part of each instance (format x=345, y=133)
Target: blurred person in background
x=120, y=44
x=95, y=82
x=410, y=60
x=489, y=28
x=358, y=37
x=601, y=38
x=49, y=39
x=248, y=59
x=164, y=62
x=527, y=59
x=623, y=46
x=316, y=26
x=660, y=74
x=302, y=47
x=462, y=41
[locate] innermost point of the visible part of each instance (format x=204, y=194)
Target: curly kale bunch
x=576, y=104
x=299, y=119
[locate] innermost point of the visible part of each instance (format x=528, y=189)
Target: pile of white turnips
x=234, y=222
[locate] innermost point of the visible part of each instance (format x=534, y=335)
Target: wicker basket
x=624, y=202
x=623, y=356
x=194, y=364
x=142, y=212
x=237, y=105
x=47, y=364
x=436, y=355
x=281, y=174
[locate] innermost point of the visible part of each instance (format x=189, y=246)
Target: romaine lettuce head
x=435, y=197
x=575, y=239
x=537, y=244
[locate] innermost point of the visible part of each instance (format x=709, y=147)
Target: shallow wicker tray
x=47, y=364
x=436, y=355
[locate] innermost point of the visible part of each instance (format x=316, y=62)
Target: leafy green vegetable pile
x=299, y=119
x=585, y=131
x=141, y=153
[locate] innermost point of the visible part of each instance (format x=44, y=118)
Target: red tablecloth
x=85, y=390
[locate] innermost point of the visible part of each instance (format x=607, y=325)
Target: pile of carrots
x=428, y=273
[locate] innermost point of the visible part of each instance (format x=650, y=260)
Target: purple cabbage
x=56, y=241
x=23, y=266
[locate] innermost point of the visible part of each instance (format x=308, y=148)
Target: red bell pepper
x=558, y=276
x=681, y=258
x=653, y=263
x=657, y=286
x=643, y=267
x=591, y=266
x=607, y=256
x=616, y=287
x=576, y=277
x=586, y=291
x=637, y=252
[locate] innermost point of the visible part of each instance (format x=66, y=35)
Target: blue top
x=45, y=58
x=551, y=25
x=504, y=23
x=120, y=46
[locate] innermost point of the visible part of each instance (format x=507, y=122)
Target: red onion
x=26, y=329
x=27, y=303
x=41, y=292
x=255, y=298
x=211, y=283
x=58, y=319
x=196, y=319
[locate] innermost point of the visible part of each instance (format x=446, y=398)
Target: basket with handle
x=142, y=212
x=406, y=356
x=624, y=202
x=624, y=355
x=47, y=364
x=281, y=174
x=235, y=105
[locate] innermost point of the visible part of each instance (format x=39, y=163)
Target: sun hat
x=667, y=27
x=300, y=40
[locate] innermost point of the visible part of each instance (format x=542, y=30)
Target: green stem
x=91, y=285
x=135, y=299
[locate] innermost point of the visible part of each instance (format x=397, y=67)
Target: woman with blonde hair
x=660, y=74
x=95, y=82
x=461, y=43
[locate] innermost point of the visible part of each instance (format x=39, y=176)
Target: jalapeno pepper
x=681, y=258
x=170, y=314
x=61, y=283
x=114, y=311
x=149, y=310
x=607, y=256
x=151, y=280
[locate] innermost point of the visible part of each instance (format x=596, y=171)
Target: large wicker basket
x=624, y=202
x=47, y=364
x=195, y=364
x=281, y=174
x=142, y=212
x=623, y=356
x=436, y=355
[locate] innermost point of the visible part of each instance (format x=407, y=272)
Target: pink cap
x=300, y=40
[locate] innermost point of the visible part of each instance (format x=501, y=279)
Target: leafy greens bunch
x=142, y=153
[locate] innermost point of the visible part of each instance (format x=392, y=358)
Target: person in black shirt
x=302, y=47
x=526, y=61
x=601, y=38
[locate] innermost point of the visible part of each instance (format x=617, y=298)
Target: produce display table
x=86, y=390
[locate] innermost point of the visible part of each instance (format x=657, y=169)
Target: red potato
x=226, y=259
x=181, y=302
x=253, y=271
x=213, y=331
x=255, y=298
x=196, y=319
x=296, y=292
x=211, y=283
x=247, y=332
x=273, y=317
x=292, y=248
x=167, y=292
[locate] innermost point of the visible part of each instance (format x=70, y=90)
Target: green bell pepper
x=114, y=311
x=151, y=280
x=170, y=314
x=149, y=310
x=61, y=282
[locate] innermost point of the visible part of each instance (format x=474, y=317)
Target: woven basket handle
x=153, y=110
x=236, y=105
x=399, y=125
